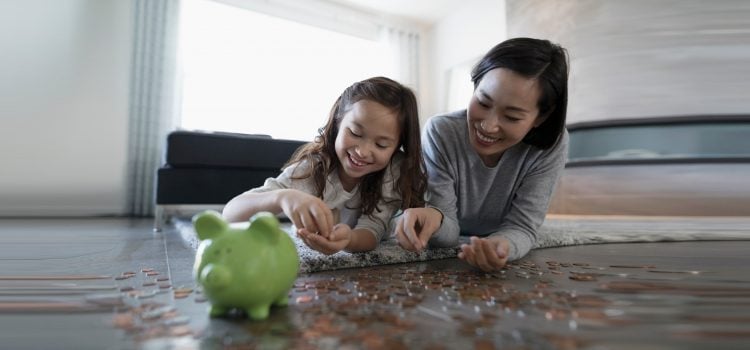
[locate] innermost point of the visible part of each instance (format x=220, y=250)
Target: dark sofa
x=204, y=170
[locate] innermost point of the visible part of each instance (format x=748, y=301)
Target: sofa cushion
x=216, y=149
x=205, y=185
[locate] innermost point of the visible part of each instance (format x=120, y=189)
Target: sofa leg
x=159, y=218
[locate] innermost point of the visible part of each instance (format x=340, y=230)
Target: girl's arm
x=242, y=207
x=304, y=210
x=286, y=194
x=362, y=240
x=373, y=228
x=264, y=198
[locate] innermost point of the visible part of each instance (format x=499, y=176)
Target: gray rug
x=557, y=231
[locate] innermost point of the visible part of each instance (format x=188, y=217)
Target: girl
x=493, y=167
x=341, y=190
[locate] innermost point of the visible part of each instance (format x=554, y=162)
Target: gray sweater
x=509, y=199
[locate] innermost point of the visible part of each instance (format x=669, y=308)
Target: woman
x=493, y=167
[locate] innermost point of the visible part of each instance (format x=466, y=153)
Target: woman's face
x=501, y=112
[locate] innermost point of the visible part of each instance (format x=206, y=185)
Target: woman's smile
x=483, y=138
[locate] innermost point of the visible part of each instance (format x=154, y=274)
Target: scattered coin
x=123, y=320
x=582, y=277
x=676, y=271
x=304, y=299
x=633, y=266
x=186, y=290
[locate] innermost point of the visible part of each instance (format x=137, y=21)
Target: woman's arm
x=517, y=233
x=531, y=201
x=416, y=226
x=437, y=223
x=441, y=189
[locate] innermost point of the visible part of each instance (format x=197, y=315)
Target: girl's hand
x=489, y=254
x=307, y=212
x=336, y=242
x=415, y=227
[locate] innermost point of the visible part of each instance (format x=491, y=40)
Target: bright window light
x=460, y=87
x=248, y=72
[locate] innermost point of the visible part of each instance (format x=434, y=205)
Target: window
x=460, y=87
x=248, y=72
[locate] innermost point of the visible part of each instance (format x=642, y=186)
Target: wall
x=461, y=38
x=64, y=106
x=643, y=58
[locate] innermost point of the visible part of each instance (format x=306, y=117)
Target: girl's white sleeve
x=285, y=180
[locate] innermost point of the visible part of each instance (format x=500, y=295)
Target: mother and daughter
x=487, y=172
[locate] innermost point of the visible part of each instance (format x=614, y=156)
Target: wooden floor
x=115, y=284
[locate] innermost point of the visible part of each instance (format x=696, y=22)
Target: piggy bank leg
x=283, y=300
x=258, y=312
x=217, y=311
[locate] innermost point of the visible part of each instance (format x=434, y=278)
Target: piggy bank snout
x=215, y=276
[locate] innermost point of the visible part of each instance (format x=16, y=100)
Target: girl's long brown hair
x=321, y=153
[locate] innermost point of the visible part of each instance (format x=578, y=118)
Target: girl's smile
x=357, y=163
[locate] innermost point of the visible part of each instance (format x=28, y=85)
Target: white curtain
x=404, y=45
x=153, y=97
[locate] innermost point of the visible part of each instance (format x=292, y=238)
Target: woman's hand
x=489, y=254
x=307, y=212
x=336, y=242
x=415, y=227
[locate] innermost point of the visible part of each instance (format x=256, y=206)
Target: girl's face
x=368, y=135
x=502, y=111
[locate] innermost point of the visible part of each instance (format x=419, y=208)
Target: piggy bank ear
x=265, y=223
x=209, y=224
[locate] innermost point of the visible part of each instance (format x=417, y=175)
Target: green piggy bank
x=244, y=267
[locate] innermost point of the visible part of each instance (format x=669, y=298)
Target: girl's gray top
x=509, y=199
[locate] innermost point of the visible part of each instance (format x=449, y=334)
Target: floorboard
x=112, y=283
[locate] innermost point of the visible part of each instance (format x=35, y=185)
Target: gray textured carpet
x=556, y=232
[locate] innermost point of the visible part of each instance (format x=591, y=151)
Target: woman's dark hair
x=321, y=153
x=538, y=59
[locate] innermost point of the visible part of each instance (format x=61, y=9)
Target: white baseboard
x=61, y=210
